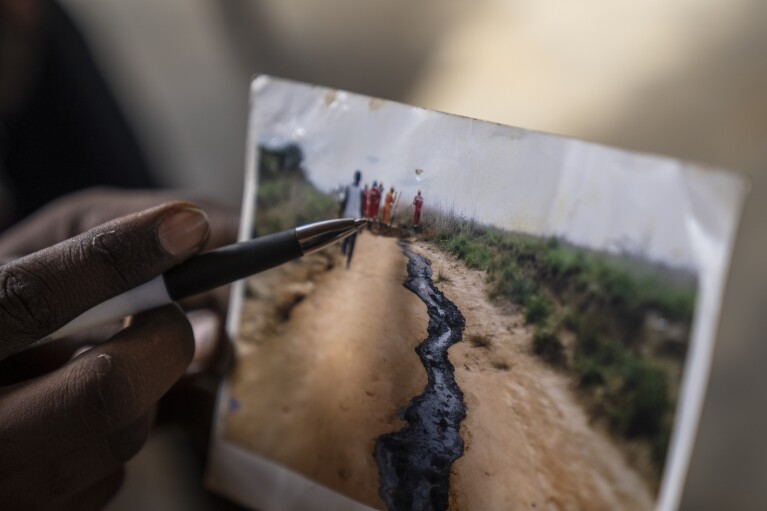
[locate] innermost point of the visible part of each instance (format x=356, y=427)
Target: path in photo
x=316, y=394
x=415, y=462
x=529, y=442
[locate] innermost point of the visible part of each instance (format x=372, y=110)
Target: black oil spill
x=414, y=463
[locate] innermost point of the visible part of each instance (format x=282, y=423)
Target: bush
x=571, y=320
x=474, y=253
x=590, y=372
x=547, y=346
x=644, y=397
x=538, y=309
x=478, y=258
x=563, y=260
x=613, y=279
x=458, y=245
x=493, y=237
x=636, y=390
x=590, y=346
x=512, y=283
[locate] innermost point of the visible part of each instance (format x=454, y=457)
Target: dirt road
x=529, y=444
x=316, y=393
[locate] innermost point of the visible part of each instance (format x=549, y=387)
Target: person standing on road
x=365, y=195
x=380, y=194
x=351, y=207
x=388, y=201
x=374, y=201
x=418, y=203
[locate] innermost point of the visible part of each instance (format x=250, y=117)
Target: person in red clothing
x=380, y=195
x=374, y=201
x=365, y=193
x=418, y=203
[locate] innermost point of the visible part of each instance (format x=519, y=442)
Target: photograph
x=517, y=323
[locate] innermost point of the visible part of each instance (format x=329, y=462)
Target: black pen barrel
x=233, y=262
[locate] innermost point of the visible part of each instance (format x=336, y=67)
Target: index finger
x=43, y=291
x=77, y=212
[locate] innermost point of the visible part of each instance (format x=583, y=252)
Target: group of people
x=371, y=203
x=366, y=202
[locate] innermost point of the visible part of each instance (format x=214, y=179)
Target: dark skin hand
x=66, y=431
x=78, y=212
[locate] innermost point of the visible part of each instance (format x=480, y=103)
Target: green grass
x=512, y=283
x=564, y=261
x=284, y=202
x=613, y=278
x=475, y=254
x=601, y=277
x=285, y=197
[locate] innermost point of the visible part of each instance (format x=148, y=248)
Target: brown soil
x=317, y=390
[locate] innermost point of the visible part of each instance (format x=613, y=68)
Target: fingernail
x=183, y=231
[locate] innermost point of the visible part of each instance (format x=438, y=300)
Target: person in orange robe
x=388, y=201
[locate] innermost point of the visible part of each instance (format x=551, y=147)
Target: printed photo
x=513, y=327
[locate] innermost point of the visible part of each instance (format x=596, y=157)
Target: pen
x=213, y=269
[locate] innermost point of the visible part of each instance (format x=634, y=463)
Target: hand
x=65, y=434
x=78, y=212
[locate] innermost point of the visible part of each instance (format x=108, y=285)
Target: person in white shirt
x=351, y=207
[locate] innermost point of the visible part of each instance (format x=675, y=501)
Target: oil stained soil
x=414, y=463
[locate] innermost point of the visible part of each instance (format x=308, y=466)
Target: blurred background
x=683, y=78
